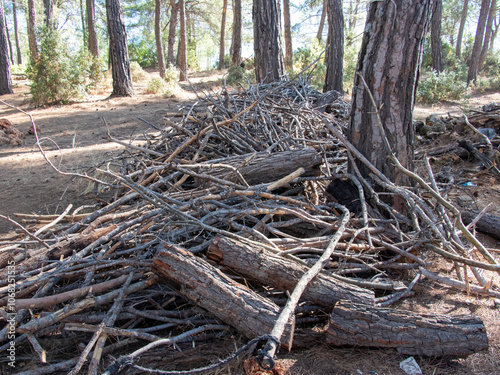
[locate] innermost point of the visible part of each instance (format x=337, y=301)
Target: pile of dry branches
x=252, y=168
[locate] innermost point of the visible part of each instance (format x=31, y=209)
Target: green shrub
x=171, y=75
x=143, y=52
x=58, y=77
x=167, y=87
x=439, y=87
x=305, y=56
x=156, y=85
x=138, y=74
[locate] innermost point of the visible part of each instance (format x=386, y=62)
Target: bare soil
x=73, y=137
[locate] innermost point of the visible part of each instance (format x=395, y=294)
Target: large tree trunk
x=458, y=48
x=489, y=29
x=16, y=34
x=182, y=50
x=432, y=335
x=267, y=41
x=388, y=60
x=118, y=50
x=48, y=10
x=159, y=45
x=93, y=43
x=171, y=33
x=236, y=40
x=287, y=24
x=222, y=46
x=334, y=57
x=436, y=45
x=282, y=273
x=32, y=30
x=478, y=42
x=319, y=35
x=5, y=79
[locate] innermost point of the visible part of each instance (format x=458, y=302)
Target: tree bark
x=267, y=41
x=432, y=335
x=478, y=42
x=32, y=30
x=84, y=30
x=5, y=78
x=7, y=34
x=287, y=23
x=458, y=49
x=222, y=45
x=282, y=273
x=388, y=60
x=159, y=45
x=92, y=35
x=436, y=44
x=489, y=30
x=334, y=56
x=118, y=50
x=182, y=50
x=48, y=10
x=488, y=224
x=236, y=40
x=16, y=33
x=207, y=287
x=319, y=35
x=171, y=33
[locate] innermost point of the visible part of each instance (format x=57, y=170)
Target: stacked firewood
x=214, y=222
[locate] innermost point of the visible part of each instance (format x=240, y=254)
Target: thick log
x=207, y=287
x=489, y=224
x=260, y=264
x=431, y=335
x=263, y=167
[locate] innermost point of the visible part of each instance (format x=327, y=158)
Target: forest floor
x=74, y=139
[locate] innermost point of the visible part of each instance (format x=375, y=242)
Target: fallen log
x=489, y=224
x=231, y=302
x=431, y=335
x=264, y=167
x=260, y=264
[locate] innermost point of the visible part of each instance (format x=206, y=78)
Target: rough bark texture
x=236, y=40
x=32, y=30
x=287, y=24
x=182, y=50
x=92, y=35
x=436, y=45
x=207, y=287
x=319, y=35
x=118, y=50
x=458, y=49
x=478, y=42
x=432, y=335
x=171, y=33
x=5, y=79
x=267, y=41
x=334, y=56
x=489, y=224
x=488, y=32
x=222, y=45
x=48, y=11
x=159, y=45
x=388, y=60
x=16, y=34
x=258, y=263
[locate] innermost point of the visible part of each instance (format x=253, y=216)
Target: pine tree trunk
x=334, y=57
x=182, y=50
x=267, y=41
x=11, y=55
x=319, y=35
x=5, y=79
x=93, y=43
x=458, y=49
x=436, y=45
x=32, y=30
x=84, y=30
x=159, y=45
x=16, y=34
x=388, y=60
x=489, y=30
x=222, y=48
x=118, y=51
x=478, y=42
x=171, y=33
x=236, y=41
x=288, y=34
x=48, y=10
